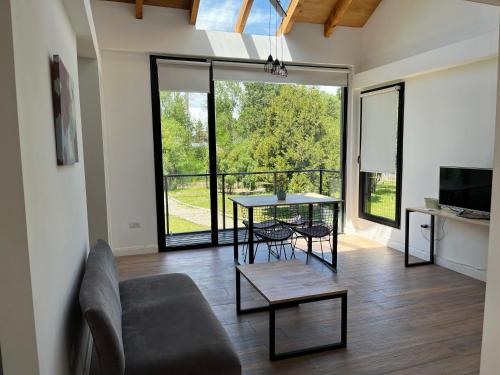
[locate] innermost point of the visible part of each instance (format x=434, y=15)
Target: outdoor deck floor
x=422, y=320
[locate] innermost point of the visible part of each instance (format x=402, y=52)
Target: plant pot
x=281, y=195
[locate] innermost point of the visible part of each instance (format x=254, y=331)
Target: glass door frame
x=212, y=147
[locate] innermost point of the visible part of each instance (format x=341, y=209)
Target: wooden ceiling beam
x=138, y=9
x=291, y=15
x=241, y=22
x=338, y=12
x=193, y=16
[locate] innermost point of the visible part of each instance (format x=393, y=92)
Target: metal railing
x=323, y=181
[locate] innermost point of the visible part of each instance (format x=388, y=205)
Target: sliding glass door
x=223, y=129
x=274, y=136
x=184, y=133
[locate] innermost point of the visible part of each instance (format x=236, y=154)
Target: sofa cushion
x=101, y=307
x=169, y=328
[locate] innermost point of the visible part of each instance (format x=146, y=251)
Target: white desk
x=444, y=214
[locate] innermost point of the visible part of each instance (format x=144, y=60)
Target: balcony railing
x=191, y=193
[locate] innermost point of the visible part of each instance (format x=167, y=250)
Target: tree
x=259, y=126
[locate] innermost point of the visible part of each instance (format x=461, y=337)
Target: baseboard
x=135, y=250
x=441, y=261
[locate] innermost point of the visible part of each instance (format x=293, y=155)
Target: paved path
x=194, y=214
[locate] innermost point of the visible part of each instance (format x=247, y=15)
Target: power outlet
x=134, y=225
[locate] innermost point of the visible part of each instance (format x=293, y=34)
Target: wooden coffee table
x=287, y=284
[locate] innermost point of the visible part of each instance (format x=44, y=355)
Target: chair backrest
x=101, y=307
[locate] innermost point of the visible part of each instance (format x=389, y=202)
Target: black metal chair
x=319, y=229
x=294, y=219
x=276, y=237
x=263, y=225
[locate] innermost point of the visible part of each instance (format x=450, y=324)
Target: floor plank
x=422, y=320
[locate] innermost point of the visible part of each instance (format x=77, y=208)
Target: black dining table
x=310, y=199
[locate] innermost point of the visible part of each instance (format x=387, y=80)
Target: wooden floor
x=423, y=320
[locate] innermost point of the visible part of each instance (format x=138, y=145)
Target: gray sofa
x=151, y=325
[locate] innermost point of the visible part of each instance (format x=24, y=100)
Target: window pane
x=380, y=195
x=218, y=15
x=381, y=157
x=258, y=20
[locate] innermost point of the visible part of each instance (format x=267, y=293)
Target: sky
x=221, y=15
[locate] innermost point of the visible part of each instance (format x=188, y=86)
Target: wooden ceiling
x=330, y=13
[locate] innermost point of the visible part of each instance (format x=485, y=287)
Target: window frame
x=158, y=153
x=396, y=223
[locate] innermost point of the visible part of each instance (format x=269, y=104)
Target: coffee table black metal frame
x=272, y=308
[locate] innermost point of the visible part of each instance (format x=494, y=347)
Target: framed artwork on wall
x=63, y=100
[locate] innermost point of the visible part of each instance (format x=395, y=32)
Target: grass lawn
x=199, y=196
x=180, y=225
x=383, y=201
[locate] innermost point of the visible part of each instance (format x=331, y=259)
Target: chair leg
x=284, y=250
x=292, y=246
x=307, y=251
x=268, y=252
x=321, y=246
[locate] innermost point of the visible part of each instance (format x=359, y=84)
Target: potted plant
x=281, y=186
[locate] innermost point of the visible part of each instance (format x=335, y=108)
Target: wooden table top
x=449, y=214
x=289, y=281
x=291, y=199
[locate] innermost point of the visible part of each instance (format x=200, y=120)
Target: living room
x=184, y=145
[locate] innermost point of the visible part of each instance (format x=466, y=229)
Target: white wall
x=490, y=360
x=93, y=145
x=126, y=44
x=129, y=149
x=449, y=111
x=17, y=325
x=449, y=121
x=403, y=28
x=166, y=30
x=55, y=198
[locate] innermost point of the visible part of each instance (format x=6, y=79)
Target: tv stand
x=444, y=214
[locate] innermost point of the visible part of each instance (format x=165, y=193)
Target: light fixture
x=268, y=67
x=283, y=70
x=274, y=66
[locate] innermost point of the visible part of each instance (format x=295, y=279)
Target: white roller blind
x=183, y=76
x=379, y=131
x=245, y=72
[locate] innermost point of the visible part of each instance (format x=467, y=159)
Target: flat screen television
x=466, y=188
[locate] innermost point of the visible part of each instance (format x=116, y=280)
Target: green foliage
x=259, y=127
x=184, y=143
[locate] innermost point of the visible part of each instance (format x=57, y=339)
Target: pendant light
x=283, y=69
x=276, y=63
x=274, y=66
x=268, y=67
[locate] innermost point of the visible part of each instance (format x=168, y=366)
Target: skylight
x=221, y=15
x=258, y=21
x=217, y=15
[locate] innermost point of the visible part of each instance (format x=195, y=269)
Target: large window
x=228, y=128
x=381, y=155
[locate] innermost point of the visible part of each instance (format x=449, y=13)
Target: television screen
x=467, y=188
